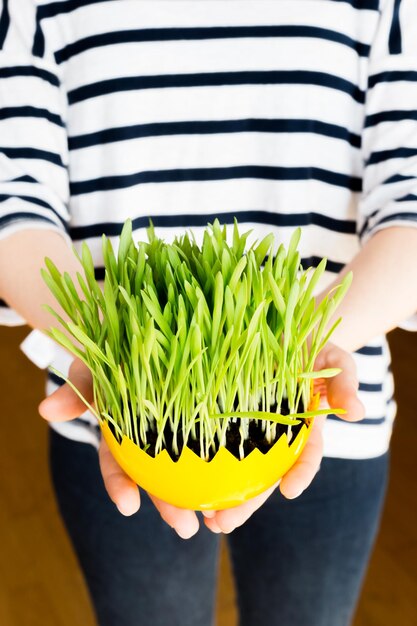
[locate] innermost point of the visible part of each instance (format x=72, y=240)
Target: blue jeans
x=296, y=563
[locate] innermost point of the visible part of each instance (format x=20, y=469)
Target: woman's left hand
x=340, y=391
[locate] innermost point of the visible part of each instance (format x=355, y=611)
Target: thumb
x=64, y=404
x=342, y=390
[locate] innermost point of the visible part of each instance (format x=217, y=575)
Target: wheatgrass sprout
x=187, y=342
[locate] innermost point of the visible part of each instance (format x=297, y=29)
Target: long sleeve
x=390, y=132
x=34, y=188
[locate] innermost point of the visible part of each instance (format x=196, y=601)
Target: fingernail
x=297, y=494
x=41, y=407
x=121, y=510
x=214, y=527
x=127, y=508
x=227, y=529
x=209, y=514
x=189, y=531
x=184, y=534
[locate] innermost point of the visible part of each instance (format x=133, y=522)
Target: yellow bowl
x=223, y=482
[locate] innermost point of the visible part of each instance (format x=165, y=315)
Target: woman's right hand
x=64, y=405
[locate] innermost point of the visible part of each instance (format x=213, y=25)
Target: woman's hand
x=340, y=391
x=64, y=405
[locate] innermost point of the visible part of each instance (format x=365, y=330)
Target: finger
x=183, y=521
x=64, y=404
x=121, y=489
x=343, y=393
x=229, y=519
x=342, y=390
x=300, y=476
x=211, y=525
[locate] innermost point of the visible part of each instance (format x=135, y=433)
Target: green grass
x=187, y=338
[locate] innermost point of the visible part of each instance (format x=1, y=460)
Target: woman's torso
x=184, y=111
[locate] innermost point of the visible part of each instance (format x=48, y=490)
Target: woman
x=283, y=114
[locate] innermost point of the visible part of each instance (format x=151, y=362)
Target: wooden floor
x=40, y=584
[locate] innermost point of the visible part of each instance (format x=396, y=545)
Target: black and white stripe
x=279, y=114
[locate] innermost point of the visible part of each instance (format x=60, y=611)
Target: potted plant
x=202, y=359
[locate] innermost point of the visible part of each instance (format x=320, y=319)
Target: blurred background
x=40, y=582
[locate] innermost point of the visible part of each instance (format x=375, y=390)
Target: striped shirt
x=283, y=113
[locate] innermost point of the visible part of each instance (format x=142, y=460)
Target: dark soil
x=256, y=438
